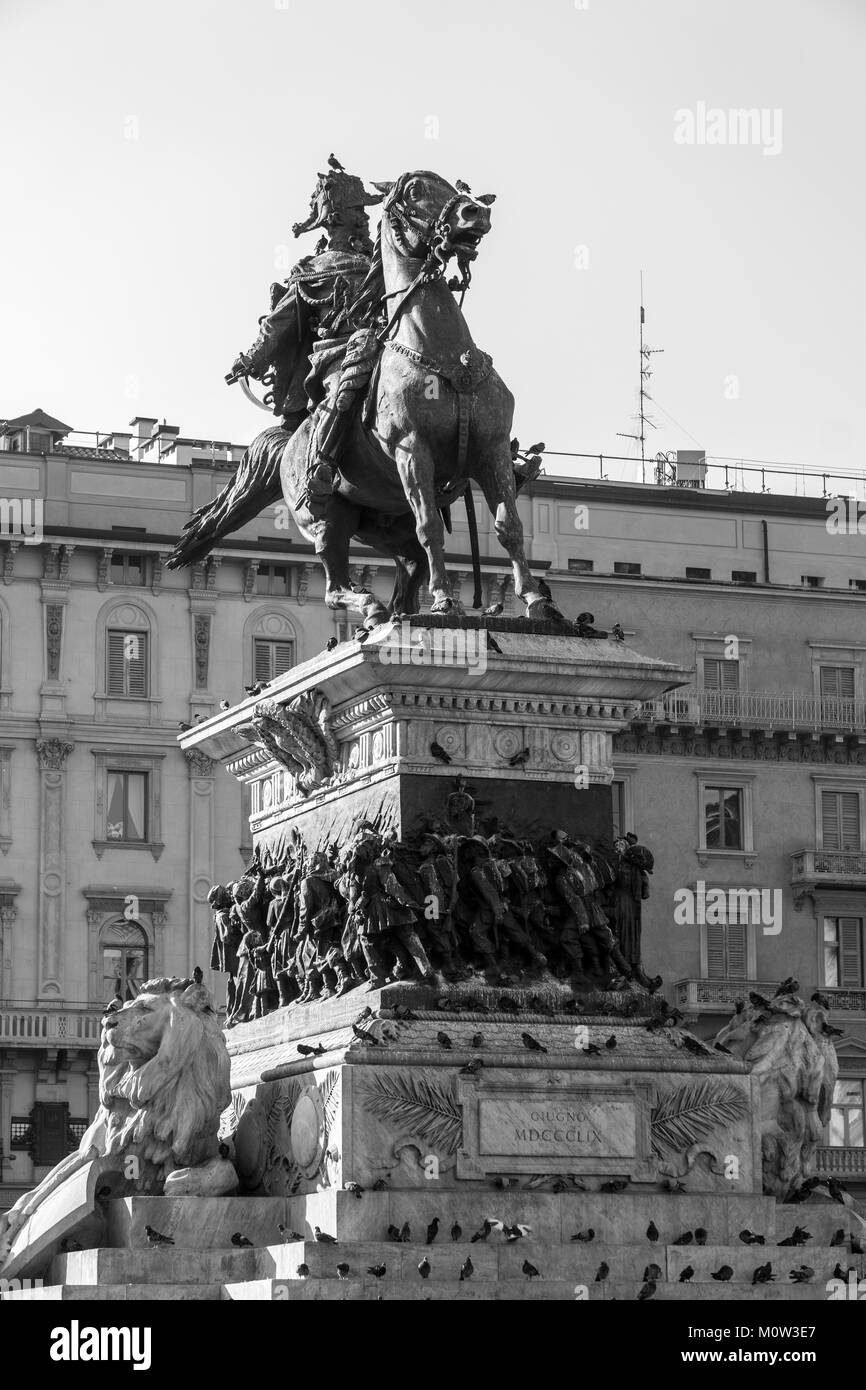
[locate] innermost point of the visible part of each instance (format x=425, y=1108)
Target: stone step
x=488, y=1291
x=93, y=1293
x=195, y=1223
x=165, y=1266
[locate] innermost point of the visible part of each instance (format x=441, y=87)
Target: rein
x=434, y=233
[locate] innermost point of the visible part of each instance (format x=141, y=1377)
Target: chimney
x=118, y=441
x=166, y=436
x=144, y=427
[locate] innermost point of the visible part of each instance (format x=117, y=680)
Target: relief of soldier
x=439, y=907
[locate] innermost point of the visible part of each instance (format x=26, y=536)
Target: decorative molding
x=10, y=550
x=251, y=571
x=759, y=748
x=200, y=765
x=53, y=639
x=156, y=574
x=103, y=569
x=201, y=646
x=52, y=753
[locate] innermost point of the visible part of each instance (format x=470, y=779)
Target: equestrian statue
x=387, y=410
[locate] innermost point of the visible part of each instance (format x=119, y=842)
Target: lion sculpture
x=163, y=1084
x=788, y=1046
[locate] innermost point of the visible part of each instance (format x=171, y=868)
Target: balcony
x=841, y=1163
x=28, y=1025
x=768, y=710
x=819, y=868
x=697, y=997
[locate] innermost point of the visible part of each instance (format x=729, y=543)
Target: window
x=723, y=817
x=811, y=581
x=274, y=579
x=21, y=1137
x=581, y=566
x=720, y=674
x=271, y=659
x=128, y=569
x=694, y=572
x=857, y=584
x=127, y=806
x=837, y=682
x=618, y=807
x=744, y=577
x=846, y=1116
x=727, y=950
x=626, y=567
x=38, y=442
x=124, y=962
x=126, y=663
x=840, y=821
x=843, y=952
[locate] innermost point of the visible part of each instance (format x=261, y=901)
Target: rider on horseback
x=313, y=357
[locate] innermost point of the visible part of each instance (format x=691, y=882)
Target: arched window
x=272, y=646
x=123, y=948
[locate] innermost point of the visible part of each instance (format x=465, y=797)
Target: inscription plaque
x=586, y=1129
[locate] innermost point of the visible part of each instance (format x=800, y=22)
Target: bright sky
x=135, y=269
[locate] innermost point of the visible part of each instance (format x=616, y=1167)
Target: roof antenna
x=646, y=375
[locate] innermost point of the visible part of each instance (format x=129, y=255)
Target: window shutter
x=263, y=673
x=850, y=816
x=850, y=952
x=137, y=669
x=715, y=951
x=721, y=675
x=284, y=657
x=837, y=682
x=736, y=934
x=114, y=673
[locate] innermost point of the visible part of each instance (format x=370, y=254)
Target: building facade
x=750, y=784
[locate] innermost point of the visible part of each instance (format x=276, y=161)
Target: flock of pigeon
x=512, y=1233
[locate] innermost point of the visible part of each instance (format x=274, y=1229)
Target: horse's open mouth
x=466, y=243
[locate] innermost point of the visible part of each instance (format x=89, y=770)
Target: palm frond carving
x=687, y=1115
x=330, y=1094
x=418, y=1109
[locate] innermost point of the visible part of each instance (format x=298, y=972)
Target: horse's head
x=428, y=217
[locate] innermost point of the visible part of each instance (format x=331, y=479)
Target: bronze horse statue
x=437, y=416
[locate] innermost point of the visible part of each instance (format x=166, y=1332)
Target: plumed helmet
x=336, y=197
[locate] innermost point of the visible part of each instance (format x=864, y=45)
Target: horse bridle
x=434, y=233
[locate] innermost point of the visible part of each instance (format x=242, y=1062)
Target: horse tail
x=255, y=486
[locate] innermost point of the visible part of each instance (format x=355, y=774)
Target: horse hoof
x=443, y=606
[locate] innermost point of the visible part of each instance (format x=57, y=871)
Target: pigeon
x=364, y=1037
x=652, y=1274
x=473, y=1067
x=685, y=1239
x=343, y=1271
x=614, y=1185
x=287, y=1235
x=838, y=1237
x=361, y=635
x=603, y=1272
x=532, y=1044
x=652, y=1232
x=496, y=609
x=520, y=759
x=763, y=1274
x=405, y=1015
x=515, y=1233
x=355, y=1188
x=439, y=753
x=323, y=1238
x=530, y=1271
x=586, y=1236
x=749, y=1238
x=536, y=448
x=483, y=1233
x=789, y=986
x=840, y=1273
x=700, y=1236
x=456, y=1231
x=321, y=245
x=617, y=633
x=648, y=1291
x=305, y=1051
x=467, y=1270
x=687, y=1275
x=184, y=728
x=334, y=163
x=424, y=1268
x=803, y=1275
x=155, y=1238
x=253, y=690
x=333, y=645
x=477, y=1040
x=799, y=1236
x=406, y=1233
x=611, y=1043
x=832, y=1032
x=197, y=975
x=433, y=1230
x=241, y=1242
x=393, y=1233
x=462, y=187
x=723, y=1275
x=225, y=705
x=837, y=1191
x=377, y=1271
x=444, y=1041
x=821, y=1000
x=303, y=1271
